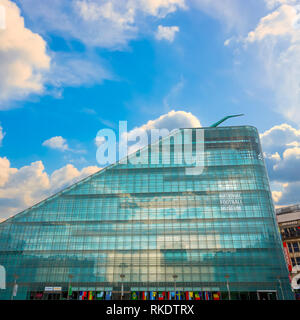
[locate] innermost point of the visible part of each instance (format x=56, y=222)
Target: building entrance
x=266, y=295
x=52, y=296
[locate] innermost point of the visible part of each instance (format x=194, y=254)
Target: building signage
x=230, y=201
x=295, y=282
x=287, y=256
x=56, y=288
x=48, y=289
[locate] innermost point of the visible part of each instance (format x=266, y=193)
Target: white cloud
x=67, y=175
x=89, y=111
x=287, y=168
x=289, y=194
x=2, y=134
x=275, y=43
x=24, y=187
x=227, y=42
x=282, y=154
x=23, y=57
x=5, y=171
x=278, y=23
x=101, y=23
x=73, y=70
x=271, y=4
x=170, y=121
x=233, y=14
x=173, y=120
x=275, y=156
x=280, y=136
x=276, y=195
x=271, y=48
x=166, y=33
x=58, y=143
x=24, y=62
x=160, y=8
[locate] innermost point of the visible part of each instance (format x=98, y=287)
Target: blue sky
x=69, y=68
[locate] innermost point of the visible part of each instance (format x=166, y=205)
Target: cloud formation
x=170, y=121
x=23, y=58
x=25, y=61
x=2, y=134
x=281, y=145
x=58, y=143
x=24, y=187
x=271, y=4
x=233, y=14
x=275, y=41
x=101, y=23
x=166, y=33
x=61, y=144
x=269, y=39
x=74, y=70
x=280, y=22
x=173, y=120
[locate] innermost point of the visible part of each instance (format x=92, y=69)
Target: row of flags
x=153, y=295
x=178, y=295
x=95, y=295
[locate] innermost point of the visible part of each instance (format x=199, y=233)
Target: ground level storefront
x=152, y=295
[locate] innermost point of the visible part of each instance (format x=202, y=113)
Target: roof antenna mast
x=224, y=119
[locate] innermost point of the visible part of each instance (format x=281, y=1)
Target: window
x=296, y=246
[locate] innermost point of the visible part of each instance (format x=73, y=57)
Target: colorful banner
x=153, y=295
x=108, y=295
x=90, y=295
x=178, y=295
x=189, y=295
x=161, y=296
x=208, y=295
x=84, y=295
x=134, y=295
x=197, y=296
x=100, y=295
x=287, y=256
x=145, y=295
x=216, y=295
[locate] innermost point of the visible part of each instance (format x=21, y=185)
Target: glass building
x=156, y=225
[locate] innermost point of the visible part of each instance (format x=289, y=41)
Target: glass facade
x=148, y=227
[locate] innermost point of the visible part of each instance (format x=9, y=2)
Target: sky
x=69, y=68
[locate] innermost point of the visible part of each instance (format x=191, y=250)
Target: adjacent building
x=288, y=219
x=156, y=229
